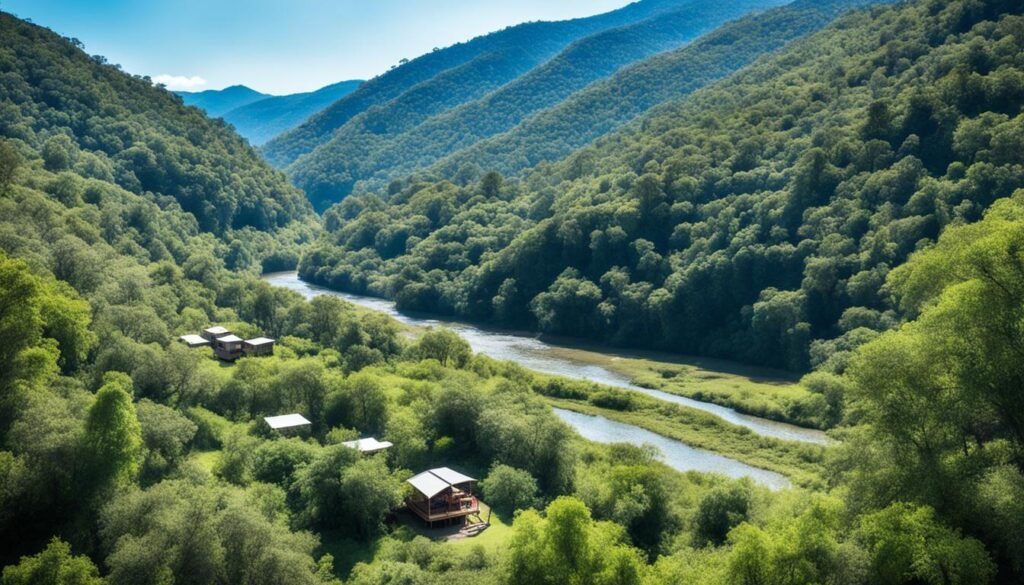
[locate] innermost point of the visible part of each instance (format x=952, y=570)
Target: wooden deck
x=466, y=507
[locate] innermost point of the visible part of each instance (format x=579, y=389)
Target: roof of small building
x=216, y=330
x=259, y=341
x=230, y=339
x=194, y=339
x=434, y=481
x=286, y=421
x=369, y=445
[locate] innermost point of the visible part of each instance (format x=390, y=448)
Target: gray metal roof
x=434, y=481
x=259, y=341
x=230, y=339
x=216, y=330
x=194, y=340
x=369, y=445
x=286, y=421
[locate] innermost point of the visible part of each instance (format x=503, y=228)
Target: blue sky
x=280, y=46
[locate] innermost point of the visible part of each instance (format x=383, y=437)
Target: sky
x=279, y=46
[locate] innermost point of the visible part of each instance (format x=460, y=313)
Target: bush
x=508, y=489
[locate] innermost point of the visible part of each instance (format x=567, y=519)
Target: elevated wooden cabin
x=194, y=340
x=228, y=348
x=215, y=333
x=442, y=494
x=258, y=346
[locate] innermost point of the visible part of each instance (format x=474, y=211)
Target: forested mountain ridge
x=554, y=133
x=264, y=119
x=756, y=219
x=90, y=118
x=401, y=137
x=217, y=102
x=537, y=40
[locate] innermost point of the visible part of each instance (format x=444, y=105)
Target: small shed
x=287, y=422
x=369, y=445
x=214, y=333
x=258, y=346
x=229, y=347
x=194, y=340
x=442, y=494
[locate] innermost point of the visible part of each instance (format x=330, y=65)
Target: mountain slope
x=217, y=102
x=92, y=119
x=266, y=118
x=755, y=219
x=601, y=108
x=390, y=141
x=534, y=41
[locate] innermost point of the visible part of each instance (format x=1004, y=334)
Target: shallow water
x=535, y=354
x=674, y=453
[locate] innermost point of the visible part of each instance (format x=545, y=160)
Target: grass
x=206, y=459
x=763, y=392
x=347, y=552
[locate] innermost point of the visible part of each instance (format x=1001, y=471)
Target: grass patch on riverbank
x=762, y=392
x=802, y=463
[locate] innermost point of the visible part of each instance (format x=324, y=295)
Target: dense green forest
x=484, y=62
x=266, y=118
x=889, y=144
x=554, y=133
x=402, y=136
x=88, y=118
x=756, y=219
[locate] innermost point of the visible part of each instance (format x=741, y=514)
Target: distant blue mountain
x=217, y=102
x=264, y=119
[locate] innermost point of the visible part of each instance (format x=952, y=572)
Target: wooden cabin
x=214, y=333
x=258, y=346
x=228, y=348
x=287, y=423
x=369, y=445
x=442, y=494
x=194, y=341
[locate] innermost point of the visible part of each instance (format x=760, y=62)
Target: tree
x=370, y=492
x=10, y=160
x=719, y=511
x=113, y=435
x=55, y=565
x=445, y=346
x=508, y=489
x=166, y=433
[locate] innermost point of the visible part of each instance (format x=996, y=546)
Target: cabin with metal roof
x=369, y=445
x=228, y=348
x=258, y=346
x=287, y=422
x=442, y=494
x=194, y=340
x=214, y=333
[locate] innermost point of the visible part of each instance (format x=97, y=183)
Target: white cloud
x=180, y=81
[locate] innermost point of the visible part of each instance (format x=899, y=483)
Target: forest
x=850, y=208
x=756, y=220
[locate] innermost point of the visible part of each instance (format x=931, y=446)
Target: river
x=535, y=354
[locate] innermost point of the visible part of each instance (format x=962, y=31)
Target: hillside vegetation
x=90, y=119
x=482, y=63
x=404, y=135
x=756, y=219
x=217, y=102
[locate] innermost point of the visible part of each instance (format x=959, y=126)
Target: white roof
x=230, y=339
x=194, y=340
x=259, y=341
x=434, y=481
x=368, y=445
x=216, y=330
x=286, y=421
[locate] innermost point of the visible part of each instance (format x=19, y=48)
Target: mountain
x=217, y=102
x=454, y=75
x=91, y=119
x=394, y=139
x=756, y=218
x=265, y=118
x=556, y=132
